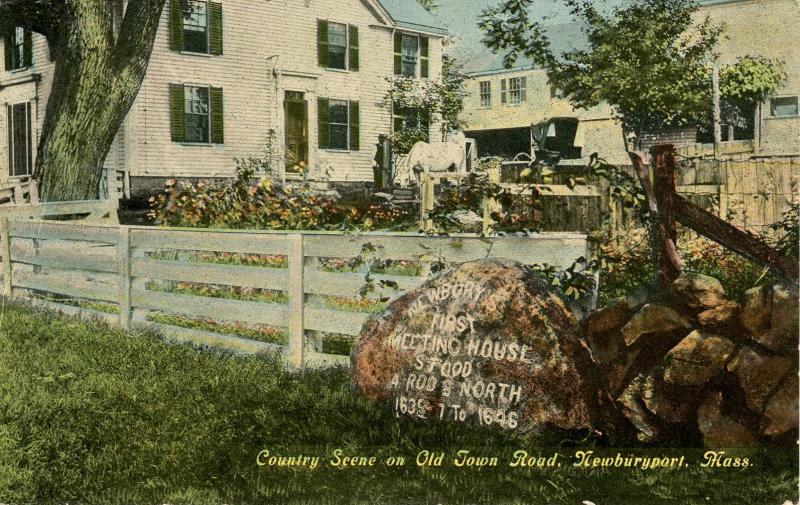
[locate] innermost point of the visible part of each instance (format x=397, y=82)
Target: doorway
x=296, y=114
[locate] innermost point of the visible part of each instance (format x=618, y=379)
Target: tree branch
x=41, y=16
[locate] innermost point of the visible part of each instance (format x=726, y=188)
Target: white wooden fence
x=77, y=267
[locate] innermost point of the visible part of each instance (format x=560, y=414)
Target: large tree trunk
x=97, y=77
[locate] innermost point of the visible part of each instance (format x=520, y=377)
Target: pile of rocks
x=690, y=365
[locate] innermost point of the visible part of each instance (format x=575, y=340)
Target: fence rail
x=251, y=281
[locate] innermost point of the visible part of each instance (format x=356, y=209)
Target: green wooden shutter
x=322, y=43
x=8, y=40
x=177, y=109
x=524, y=86
x=503, y=91
x=217, y=116
x=353, y=43
x=27, y=49
x=424, y=55
x=323, y=123
x=355, y=127
x=9, y=128
x=398, y=53
x=176, y=25
x=215, y=28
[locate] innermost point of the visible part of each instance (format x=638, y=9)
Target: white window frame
x=208, y=30
x=331, y=123
x=186, y=141
x=418, y=61
x=485, y=93
x=346, y=46
x=516, y=90
x=18, y=49
x=772, y=114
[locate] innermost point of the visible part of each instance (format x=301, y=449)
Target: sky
x=461, y=17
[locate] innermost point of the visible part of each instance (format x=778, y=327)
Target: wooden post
x=669, y=262
x=296, y=292
x=8, y=267
x=33, y=191
x=19, y=194
x=717, y=111
x=738, y=241
x=124, y=270
x=490, y=204
x=427, y=201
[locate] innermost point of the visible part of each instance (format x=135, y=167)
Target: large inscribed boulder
x=488, y=343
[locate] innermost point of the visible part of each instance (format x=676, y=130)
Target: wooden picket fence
x=117, y=273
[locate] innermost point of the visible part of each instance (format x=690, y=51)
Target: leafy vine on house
x=419, y=104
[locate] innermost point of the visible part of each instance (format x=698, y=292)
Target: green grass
x=91, y=415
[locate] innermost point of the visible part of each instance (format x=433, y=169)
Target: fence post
x=7, y=265
x=124, y=282
x=490, y=203
x=296, y=291
x=427, y=201
x=669, y=267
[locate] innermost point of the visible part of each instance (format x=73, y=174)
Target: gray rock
x=720, y=431
x=653, y=320
x=756, y=310
x=697, y=359
x=758, y=375
x=781, y=412
x=488, y=338
x=723, y=315
x=602, y=331
x=467, y=218
x=697, y=291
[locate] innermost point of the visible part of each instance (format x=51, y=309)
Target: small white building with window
x=294, y=81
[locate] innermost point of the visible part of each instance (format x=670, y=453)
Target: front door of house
x=296, y=113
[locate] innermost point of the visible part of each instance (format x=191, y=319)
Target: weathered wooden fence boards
x=127, y=275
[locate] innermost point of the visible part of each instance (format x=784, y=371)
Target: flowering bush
x=246, y=202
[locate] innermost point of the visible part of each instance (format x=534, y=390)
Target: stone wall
x=689, y=365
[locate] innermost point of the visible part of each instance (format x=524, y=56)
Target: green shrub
x=245, y=202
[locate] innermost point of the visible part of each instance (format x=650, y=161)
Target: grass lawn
x=94, y=415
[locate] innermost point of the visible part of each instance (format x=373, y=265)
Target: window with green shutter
x=339, y=124
x=355, y=126
x=424, y=56
x=197, y=114
x=411, y=55
x=337, y=45
x=323, y=121
x=215, y=28
x=177, y=113
x=352, y=43
x=196, y=26
x=398, y=53
x=217, y=117
x=18, y=45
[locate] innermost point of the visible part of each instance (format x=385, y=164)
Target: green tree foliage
x=429, y=5
x=650, y=60
x=428, y=101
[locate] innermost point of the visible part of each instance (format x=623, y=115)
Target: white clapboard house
x=304, y=79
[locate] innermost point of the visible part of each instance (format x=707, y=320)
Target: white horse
x=428, y=158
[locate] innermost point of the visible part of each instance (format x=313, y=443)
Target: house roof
x=479, y=59
x=411, y=15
